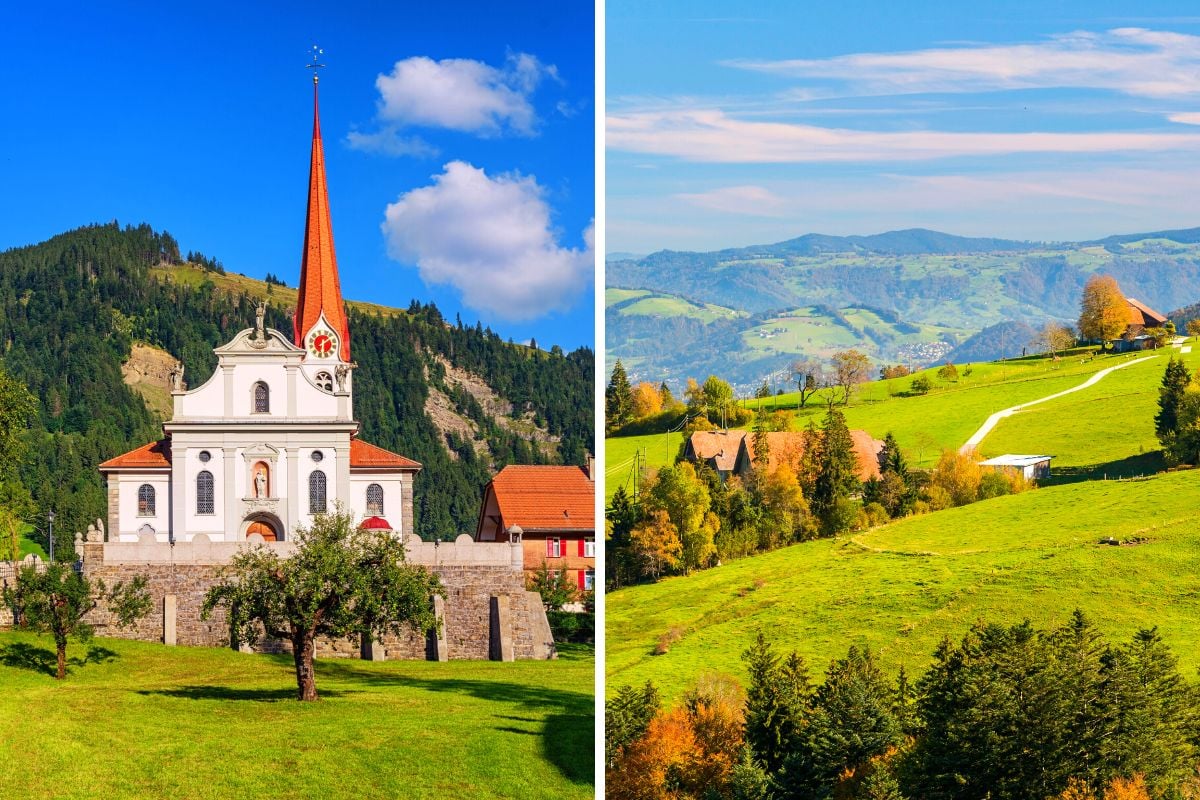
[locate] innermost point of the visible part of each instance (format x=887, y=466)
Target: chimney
x=590, y=469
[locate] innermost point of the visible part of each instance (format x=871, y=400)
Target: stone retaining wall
x=8, y=577
x=472, y=574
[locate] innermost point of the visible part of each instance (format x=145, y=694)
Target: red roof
x=156, y=455
x=367, y=456
x=545, y=498
x=1144, y=315
x=375, y=524
x=319, y=287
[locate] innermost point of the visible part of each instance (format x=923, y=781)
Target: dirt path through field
x=991, y=422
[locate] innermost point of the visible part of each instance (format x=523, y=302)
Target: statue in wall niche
x=260, y=483
x=177, y=378
x=259, y=313
x=339, y=375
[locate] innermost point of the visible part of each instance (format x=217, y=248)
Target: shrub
x=948, y=373
x=920, y=385
x=875, y=514
x=570, y=626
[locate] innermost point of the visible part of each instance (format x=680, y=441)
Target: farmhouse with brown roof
x=717, y=449
x=788, y=446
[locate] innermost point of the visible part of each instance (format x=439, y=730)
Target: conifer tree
x=626, y=717
x=838, y=472
x=668, y=399
x=618, y=399
x=1170, y=400
x=776, y=702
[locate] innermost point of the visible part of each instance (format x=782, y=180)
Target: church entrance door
x=262, y=529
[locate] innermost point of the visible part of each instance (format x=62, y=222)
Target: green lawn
x=658, y=449
x=900, y=588
x=143, y=720
x=1108, y=427
x=29, y=545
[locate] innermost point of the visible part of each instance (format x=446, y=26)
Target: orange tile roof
x=545, y=497
x=319, y=287
x=790, y=445
x=720, y=446
x=367, y=456
x=1142, y=314
x=153, y=455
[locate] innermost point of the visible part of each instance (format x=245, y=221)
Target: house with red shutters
x=552, y=510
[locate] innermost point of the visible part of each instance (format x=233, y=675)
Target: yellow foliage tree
x=656, y=541
x=958, y=474
x=1104, y=312
x=1127, y=789
x=646, y=400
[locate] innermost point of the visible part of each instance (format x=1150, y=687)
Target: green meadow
x=899, y=589
x=137, y=720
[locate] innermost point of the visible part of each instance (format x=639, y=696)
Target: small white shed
x=1031, y=467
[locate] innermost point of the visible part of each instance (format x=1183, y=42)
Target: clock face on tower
x=321, y=343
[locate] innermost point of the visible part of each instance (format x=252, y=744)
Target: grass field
x=143, y=720
x=900, y=588
x=1108, y=427
x=659, y=449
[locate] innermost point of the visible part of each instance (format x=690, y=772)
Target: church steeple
x=320, y=292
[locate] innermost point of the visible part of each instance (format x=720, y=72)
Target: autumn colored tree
x=656, y=543
x=56, y=600
x=653, y=766
x=785, y=512
x=1193, y=327
x=850, y=368
x=1104, y=312
x=958, y=475
x=1054, y=336
x=685, y=497
x=667, y=400
x=948, y=372
x=647, y=400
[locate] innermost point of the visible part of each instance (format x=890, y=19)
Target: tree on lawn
x=56, y=600
x=850, y=368
x=1055, y=336
x=554, y=585
x=1170, y=399
x=811, y=377
x=1193, y=327
x=1104, y=312
x=618, y=399
x=342, y=581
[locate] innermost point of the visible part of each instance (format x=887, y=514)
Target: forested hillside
x=71, y=308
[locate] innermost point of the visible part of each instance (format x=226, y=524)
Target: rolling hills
x=948, y=288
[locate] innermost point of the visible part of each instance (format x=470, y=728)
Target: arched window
x=375, y=500
x=316, y=492
x=145, y=500
x=325, y=381
x=262, y=398
x=204, y=493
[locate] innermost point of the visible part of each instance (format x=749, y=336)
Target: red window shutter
x=581, y=552
x=549, y=548
x=581, y=578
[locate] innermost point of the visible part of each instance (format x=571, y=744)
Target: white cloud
x=1133, y=61
x=1186, y=118
x=462, y=94
x=389, y=142
x=754, y=201
x=709, y=135
x=491, y=238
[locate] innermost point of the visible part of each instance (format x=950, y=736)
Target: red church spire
x=320, y=292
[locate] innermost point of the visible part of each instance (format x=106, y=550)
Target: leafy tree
x=56, y=600
x=850, y=368
x=718, y=397
x=554, y=586
x=685, y=498
x=920, y=385
x=948, y=372
x=626, y=717
x=668, y=400
x=1193, y=327
x=784, y=511
x=647, y=400
x=811, y=377
x=1104, y=312
x=618, y=399
x=657, y=544
x=342, y=581
x=1054, y=336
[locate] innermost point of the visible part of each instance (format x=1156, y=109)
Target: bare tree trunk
x=61, y=646
x=303, y=645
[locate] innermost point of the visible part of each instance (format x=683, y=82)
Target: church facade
x=269, y=440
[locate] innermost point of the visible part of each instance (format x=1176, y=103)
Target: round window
x=205, y=456
x=317, y=456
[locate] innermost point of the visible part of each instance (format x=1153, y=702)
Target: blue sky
x=736, y=124
x=459, y=142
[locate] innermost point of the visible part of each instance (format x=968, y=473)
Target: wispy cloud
x=754, y=201
x=709, y=135
x=389, y=141
x=1133, y=61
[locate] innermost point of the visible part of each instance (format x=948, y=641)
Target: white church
x=270, y=439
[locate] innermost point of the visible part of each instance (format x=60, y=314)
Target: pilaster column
x=229, y=497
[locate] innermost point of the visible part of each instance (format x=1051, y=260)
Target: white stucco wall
x=129, y=519
x=392, y=496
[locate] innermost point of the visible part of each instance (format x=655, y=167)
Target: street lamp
x=50, y=519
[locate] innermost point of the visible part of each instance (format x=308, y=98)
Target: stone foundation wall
x=8, y=577
x=468, y=631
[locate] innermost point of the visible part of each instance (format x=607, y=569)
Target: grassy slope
x=659, y=450
x=902, y=587
x=205, y=723
x=1094, y=429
